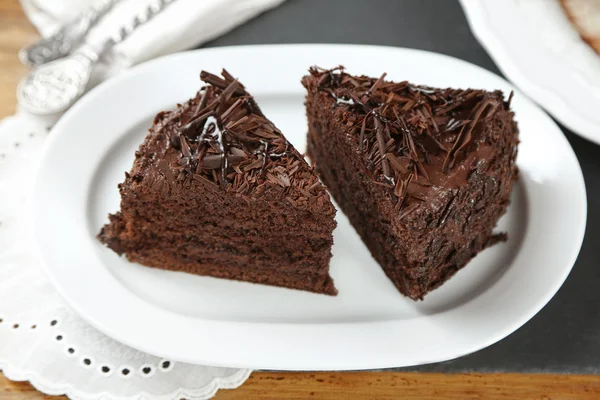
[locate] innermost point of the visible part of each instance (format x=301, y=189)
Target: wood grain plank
x=15, y=32
x=22, y=391
x=425, y=386
x=385, y=385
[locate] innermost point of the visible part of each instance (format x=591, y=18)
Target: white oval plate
x=536, y=47
x=225, y=323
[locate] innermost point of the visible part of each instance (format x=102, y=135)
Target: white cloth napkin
x=181, y=26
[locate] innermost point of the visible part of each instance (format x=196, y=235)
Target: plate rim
x=283, y=365
x=477, y=18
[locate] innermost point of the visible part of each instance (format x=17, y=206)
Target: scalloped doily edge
x=15, y=374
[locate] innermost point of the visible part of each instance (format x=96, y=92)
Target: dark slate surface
x=565, y=335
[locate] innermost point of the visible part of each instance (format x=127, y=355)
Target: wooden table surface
x=16, y=31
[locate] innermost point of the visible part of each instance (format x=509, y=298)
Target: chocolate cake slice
x=423, y=174
x=216, y=189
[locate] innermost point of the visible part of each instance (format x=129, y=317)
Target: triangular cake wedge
x=216, y=189
x=423, y=174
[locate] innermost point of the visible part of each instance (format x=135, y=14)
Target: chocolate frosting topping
x=413, y=138
x=222, y=137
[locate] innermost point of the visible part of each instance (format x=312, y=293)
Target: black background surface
x=565, y=335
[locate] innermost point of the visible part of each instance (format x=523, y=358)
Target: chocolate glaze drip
x=413, y=137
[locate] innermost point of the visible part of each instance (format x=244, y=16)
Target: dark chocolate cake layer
x=217, y=190
x=423, y=174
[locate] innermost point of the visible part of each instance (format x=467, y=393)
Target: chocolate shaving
x=412, y=151
x=397, y=164
x=213, y=161
x=427, y=111
x=510, y=97
x=464, y=137
x=196, y=124
x=454, y=124
x=201, y=102
x=225, y=96
x=401, y=189
x=227, y=75
x=381, y=143
x=258, y=163
x=238, y=103
x=217, y=82
x=403, y=128
x=361, y=138
x=185, y=147
x=377, y=83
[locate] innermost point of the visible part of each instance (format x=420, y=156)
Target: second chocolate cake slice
x=216, y=189
x=423, y=174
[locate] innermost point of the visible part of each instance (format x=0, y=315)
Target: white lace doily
x=41, y=339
